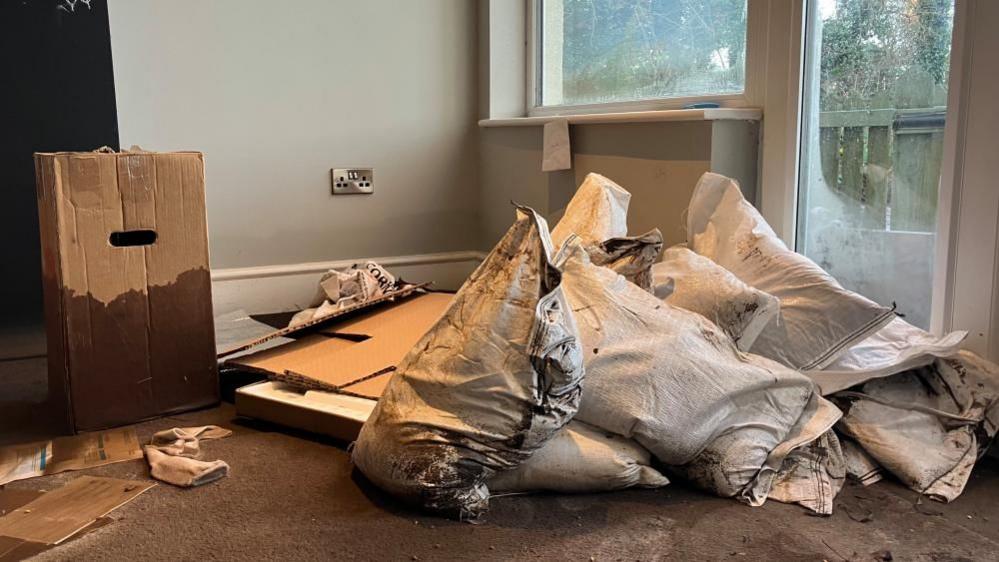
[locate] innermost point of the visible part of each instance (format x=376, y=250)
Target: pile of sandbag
x=709, y=364
x=914, y=405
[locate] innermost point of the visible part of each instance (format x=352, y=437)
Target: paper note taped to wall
x=558, y=153
x=75, y=452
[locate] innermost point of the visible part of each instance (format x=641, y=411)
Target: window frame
x=756, y=47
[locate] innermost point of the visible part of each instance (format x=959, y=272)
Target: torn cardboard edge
x=53, y=517
x=355, y=355
x=388, y=297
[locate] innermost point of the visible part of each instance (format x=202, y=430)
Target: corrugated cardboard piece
x=57, y=515
x=355, y=355
x=127, y=287
x=75, y=452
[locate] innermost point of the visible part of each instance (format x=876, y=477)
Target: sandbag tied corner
x=485, y=387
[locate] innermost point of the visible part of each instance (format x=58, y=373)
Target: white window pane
x=872, y=134
x=600, y=51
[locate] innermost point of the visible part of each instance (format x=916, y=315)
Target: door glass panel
x=873, y=110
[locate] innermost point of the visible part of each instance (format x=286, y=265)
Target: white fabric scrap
x=172, y=456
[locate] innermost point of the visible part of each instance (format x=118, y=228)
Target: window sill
x=715, y=114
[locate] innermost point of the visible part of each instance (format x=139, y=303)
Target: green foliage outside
x=886, y=54
x=875, y=53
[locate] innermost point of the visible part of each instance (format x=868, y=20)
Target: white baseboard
x=288, y=287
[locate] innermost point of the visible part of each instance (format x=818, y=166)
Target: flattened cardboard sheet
x=325, y=320
x=15, y=550
x=74, y=452
x=354, y=356
x=57, y=515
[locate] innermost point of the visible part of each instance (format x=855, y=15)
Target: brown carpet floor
x=292, y=496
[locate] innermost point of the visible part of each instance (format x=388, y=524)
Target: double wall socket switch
x=353, y=180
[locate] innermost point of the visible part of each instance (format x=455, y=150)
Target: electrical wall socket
x=353, y=180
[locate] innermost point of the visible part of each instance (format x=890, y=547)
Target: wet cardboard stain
x=127, y=288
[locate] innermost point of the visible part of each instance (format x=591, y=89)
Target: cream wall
x=659, y=163
x=277, y=93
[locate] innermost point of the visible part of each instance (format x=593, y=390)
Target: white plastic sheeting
x=819, y=319
x=671, y=380
x=580, y=459
x=488, y=385
x=695, y=283
x=597, y=212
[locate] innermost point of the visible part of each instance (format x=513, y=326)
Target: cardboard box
x=127, y=287
x=328, y=381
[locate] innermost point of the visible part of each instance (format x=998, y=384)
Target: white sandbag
x=819, y=319
x=672, y=381
x=897, y=347
x=489, y=384
x=859, y=465
x=598, y=211
x=812, y=476
x=927, y=426
x=693, y=282
x=630, y=256
x=582, y=459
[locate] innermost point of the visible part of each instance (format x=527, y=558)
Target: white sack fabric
x=812, y=476
x=897, y=347
x=630, y=256
x=490, y=383
x=582, y=459
x=819, y=319
x=695, y=283
x=672, y=381
x=598, y=211
x=927, y=426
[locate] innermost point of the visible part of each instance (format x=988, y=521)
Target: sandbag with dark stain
x=487, y=386
x=631, y=256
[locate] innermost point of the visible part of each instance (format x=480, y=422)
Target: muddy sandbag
x=582, y=459
x=897, y=347
x=671, y=380
x=819, y=319
x=927, y=426
x=630, y=256
x=489, y=384
x=598, y=211
x=812, y=476
x=693, y=282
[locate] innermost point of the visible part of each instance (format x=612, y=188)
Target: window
x=874, y=102
x=611, y=51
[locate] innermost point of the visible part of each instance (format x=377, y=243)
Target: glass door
x=874, y=98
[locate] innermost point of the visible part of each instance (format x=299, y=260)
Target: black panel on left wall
x=57, y=94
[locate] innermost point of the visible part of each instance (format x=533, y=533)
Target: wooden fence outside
x=887, y=162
